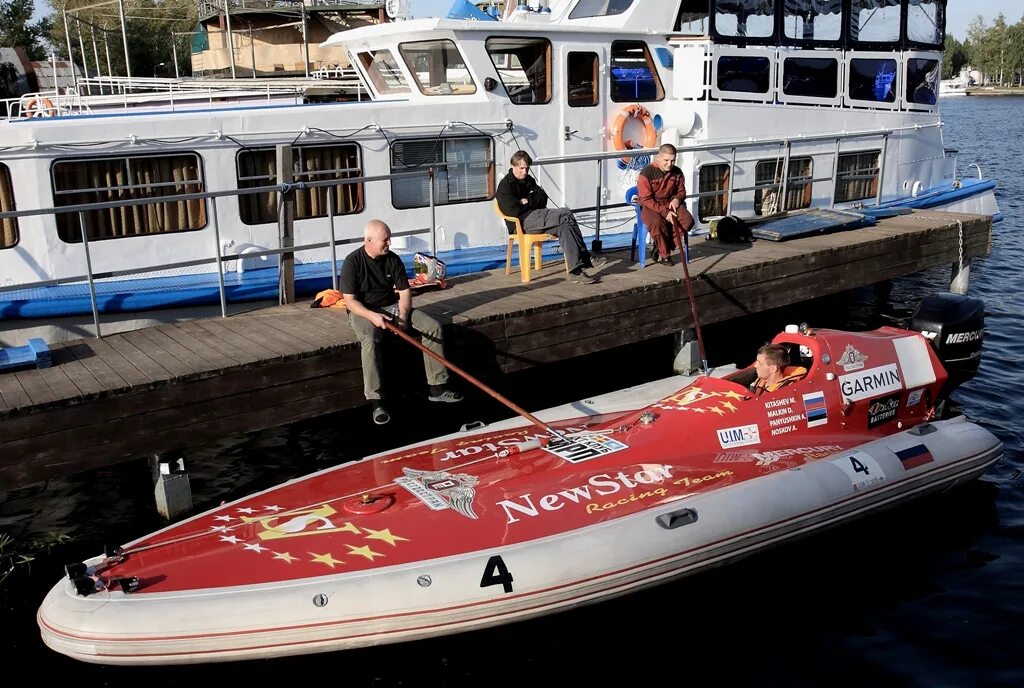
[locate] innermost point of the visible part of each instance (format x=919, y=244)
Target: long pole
x=174, y=52
x=85, y=61
x=106, y=49
x=693, y=310
x=305, y=40
x=96, y=56
x=71, y=56
x=462, y=373
x=230, y=41
x=124, y=39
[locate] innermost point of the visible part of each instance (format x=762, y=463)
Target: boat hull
x=447, y=595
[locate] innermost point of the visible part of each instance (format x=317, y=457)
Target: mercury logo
x=964, y=337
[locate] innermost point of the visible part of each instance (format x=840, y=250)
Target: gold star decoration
x=715, y=409
x=285, y=557
x=733, y=395
x=363, y=551
x=325, y=559
x=728, y=405
x=384, y=535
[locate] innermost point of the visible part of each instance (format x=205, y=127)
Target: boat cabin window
x=582, y=88
x=524, y=67
x=599, y=8
x=438, y=68
x=926, y=23
x=694, y=17
x=744, y=74
x=768, y=194
x=463, y=170
x=873, y=79
x=857, y=176
x=922, y=81
x=9, y=226
x=634, y=76
x=812, y=22
x=742, y=20
x=103, y=180
x=384, y=72
x=713, y=187
x=874, y=22
x=258, y=167
x=810, y=77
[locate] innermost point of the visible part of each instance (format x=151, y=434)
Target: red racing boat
x=512, y=521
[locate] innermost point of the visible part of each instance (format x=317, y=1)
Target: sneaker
x=597, y=262
x=380, y=414
x=582, y=278
x=447, y=396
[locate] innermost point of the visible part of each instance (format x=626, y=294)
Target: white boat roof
x=373, y=35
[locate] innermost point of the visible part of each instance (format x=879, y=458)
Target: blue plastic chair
x=639, y=244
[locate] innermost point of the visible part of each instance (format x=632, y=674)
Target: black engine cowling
x=955, y=326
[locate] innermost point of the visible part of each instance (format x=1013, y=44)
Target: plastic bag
x=428, y=270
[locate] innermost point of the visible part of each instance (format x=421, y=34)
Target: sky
x=960, y=12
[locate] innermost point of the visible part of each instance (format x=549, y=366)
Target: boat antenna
x=459, y=371
x=684, y=255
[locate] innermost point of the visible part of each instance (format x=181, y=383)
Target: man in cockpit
x=770, y=365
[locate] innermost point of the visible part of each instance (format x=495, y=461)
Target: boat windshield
x=384, y=72
x=599, y=8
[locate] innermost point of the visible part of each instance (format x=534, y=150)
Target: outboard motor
x=955, y=325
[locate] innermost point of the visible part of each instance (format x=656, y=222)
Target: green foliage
x=16, y=31
x=13, y=559
x=148, y=24
x=997, y=50
x=954, y=58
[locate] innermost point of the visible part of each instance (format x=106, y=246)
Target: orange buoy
x=39, y=106
x=643, y=115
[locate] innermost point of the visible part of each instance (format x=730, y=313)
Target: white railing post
x=881, y=168
x=88, y=274
x=220, y=259
x=785, y=176
x=334, y=245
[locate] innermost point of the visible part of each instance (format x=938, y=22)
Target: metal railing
x=90, y=276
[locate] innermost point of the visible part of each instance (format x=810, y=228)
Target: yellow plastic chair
x=525, y=241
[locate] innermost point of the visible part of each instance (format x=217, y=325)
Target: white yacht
x=774, y=105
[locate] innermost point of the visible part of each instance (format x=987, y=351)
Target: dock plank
x=130, y=394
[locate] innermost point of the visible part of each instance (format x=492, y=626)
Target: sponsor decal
x=583, y=447
x=781, y=415
x=807, y=453
x=883, y=410
x=441, y=490
x=740, y=436
x=601, y=485
x=696, y=400
x=965, y=337
x=861, y=468
x=872, y=382
x=914, y=398
x=815, y=409
x=915, y=456
x=929, y=335
x=851, y=359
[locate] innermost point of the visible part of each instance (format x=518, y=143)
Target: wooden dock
x=128, y=395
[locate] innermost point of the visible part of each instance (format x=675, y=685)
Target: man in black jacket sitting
x=519, y=195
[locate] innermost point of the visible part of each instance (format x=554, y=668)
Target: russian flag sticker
x=815, y=409
x=915, y=456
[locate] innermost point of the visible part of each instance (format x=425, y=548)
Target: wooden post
x=285, y=224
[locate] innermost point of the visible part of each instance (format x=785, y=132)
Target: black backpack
x=733, y=230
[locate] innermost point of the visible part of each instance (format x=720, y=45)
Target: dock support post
x=687, y=360
x=961, y=277
x=172, y=491
x=285, y=223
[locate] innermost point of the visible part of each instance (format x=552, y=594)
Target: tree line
x=996, y=50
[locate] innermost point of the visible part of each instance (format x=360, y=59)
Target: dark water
x=931, y=594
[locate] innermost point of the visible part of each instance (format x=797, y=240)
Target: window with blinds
x=9, y=226
x=857, y=176
x=102, y=180
x=768, y=194
x=463, y=170
x=258, y=167
x=713, y=186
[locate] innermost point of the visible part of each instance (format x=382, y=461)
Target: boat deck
x=131, y=394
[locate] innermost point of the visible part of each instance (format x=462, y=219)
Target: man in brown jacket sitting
x=661, y=189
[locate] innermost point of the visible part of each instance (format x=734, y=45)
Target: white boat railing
x=728, y=149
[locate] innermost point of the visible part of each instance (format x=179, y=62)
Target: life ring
x=650, y=134
x=40, y=106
